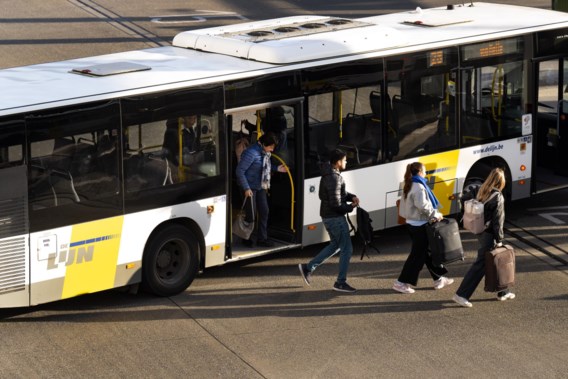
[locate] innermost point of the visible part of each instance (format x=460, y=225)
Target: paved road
x=257, y=320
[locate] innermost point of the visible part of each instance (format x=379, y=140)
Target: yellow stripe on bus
x=93, y=251
x=443, y=167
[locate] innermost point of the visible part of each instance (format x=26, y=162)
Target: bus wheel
x=170, y=261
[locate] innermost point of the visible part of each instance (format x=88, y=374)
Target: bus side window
x=152, y=155
x=69, y=168
x=361, y=135
x=323, y=132
x=423, y=100
x=11, y=143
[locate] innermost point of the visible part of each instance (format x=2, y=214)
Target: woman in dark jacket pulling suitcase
x=418, y=206
x=494, y=213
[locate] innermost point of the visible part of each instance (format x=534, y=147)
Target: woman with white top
x=418, y=206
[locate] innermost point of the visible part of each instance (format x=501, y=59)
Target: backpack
x=474, y=215
x=364, y=230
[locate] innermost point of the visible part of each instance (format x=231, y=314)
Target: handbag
x=241, y=227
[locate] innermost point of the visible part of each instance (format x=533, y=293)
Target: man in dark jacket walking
x=334, y=206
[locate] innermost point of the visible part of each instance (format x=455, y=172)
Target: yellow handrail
x=181, y=172
x=497, y=117
x=258, y=129
x=447, y=104
x=340, y=99
x=292, y=201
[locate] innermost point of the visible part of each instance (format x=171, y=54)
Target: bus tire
x=170, y=261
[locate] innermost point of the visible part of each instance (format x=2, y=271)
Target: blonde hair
x=411, y=169
x=496, y=179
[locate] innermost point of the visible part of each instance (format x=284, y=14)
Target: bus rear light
x=521, y=182
x=210, y=209
x=312, y=227
x=523, y=167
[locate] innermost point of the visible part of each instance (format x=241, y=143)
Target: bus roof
x=243, y=50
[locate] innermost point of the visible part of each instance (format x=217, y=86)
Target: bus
x=119, y=170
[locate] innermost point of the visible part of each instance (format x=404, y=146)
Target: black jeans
x=477, y=270
x=418, y=257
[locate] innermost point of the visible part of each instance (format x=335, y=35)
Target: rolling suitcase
x=499, y=268
x=445, y=241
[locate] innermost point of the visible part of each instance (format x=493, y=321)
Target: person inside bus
x=190, y=135
x=253, y=175
x=271, y=120
x=418, y=205
x=494, y=212
x=336, y=202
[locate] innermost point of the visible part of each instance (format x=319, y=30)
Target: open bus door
x=247, y=124
x=551, y=126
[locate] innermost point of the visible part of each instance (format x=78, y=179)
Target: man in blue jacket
x=334, y=206
x=253, y=175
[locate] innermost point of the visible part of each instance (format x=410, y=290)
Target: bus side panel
x=104, y=254
x=208, y=214
x=14, y=246
x=378, y=188
x=74, y=260
x=516, y=153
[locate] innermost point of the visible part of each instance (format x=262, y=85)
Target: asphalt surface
x=257, y=319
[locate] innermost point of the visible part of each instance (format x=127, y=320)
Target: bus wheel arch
x=481, y=169
x=171, y=258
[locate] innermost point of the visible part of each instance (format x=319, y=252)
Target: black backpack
x=364, y=230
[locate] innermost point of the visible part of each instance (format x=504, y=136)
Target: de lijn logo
x=77, y=252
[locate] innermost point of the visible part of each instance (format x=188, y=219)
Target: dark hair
x=336, y=155
x=268, y=139
x=411, y=170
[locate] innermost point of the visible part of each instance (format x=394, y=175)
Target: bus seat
x=144, y=171
x=353, y=136
x=476, y=128
x=83, y=159
x=403, y=115
x=375, y=103
x=353, y=129
x=63, y=150
x=107, y=155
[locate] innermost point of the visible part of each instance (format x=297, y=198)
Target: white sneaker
x=507, y=296
x=462, y=301
x=442, y=282
x=402, y=287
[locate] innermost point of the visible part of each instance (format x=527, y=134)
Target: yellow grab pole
x=292, y=201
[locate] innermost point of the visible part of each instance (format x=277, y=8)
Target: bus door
x=551, y=125
x=247, y=124
x=14, y=225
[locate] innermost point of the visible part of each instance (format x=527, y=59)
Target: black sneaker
x=343, y=287
x=265, y=243
x=306, y=274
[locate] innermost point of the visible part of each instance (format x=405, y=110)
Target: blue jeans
x=261, y=208
x=477, y=270
x=340, y=239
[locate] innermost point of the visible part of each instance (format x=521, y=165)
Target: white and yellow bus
x=95, y=195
